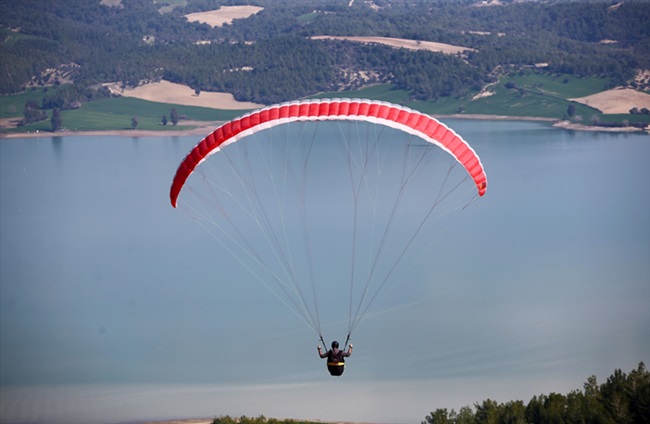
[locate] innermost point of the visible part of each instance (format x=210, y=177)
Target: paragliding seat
x=336, y=368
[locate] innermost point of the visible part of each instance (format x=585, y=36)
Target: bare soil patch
x=401, y=43
x=223, y=15
x=169, y=92
x=618, y=100
x=9, y=123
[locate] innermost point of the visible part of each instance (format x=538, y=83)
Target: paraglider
x=335, y=358
x=307, y=193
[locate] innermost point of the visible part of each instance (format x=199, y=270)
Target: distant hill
x=285, y=49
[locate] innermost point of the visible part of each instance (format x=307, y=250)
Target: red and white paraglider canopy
x=395, y=116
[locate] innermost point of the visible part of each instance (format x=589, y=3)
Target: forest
x=269, y=56
x=623, y=398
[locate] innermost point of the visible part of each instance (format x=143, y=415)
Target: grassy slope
x=534, y=96
x=114, y=114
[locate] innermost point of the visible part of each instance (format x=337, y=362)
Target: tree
x=465, y=416
x=174, y=116
x=134, y=122
x=638, y=390
x=488, y=412
x=555, y=406
x=622, y=399
x=571, y=110
x=514, y=412
x=56, y=120
x=164, y=120
x=32, y=113
x=439, y=416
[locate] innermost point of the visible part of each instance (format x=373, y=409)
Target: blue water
x=116, y=307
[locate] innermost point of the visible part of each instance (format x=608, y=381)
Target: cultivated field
x=168, y=92
x=401, y=43
x=619, y=100
x=223, y=15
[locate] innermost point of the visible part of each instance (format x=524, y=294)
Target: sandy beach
x=568, y=125
x=201, y=129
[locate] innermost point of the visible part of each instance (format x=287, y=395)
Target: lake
x=116, y=307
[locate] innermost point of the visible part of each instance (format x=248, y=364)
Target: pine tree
x=56, y=120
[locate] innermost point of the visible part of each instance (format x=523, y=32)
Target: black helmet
x=335, y=345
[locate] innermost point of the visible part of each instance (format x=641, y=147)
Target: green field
x=528, y=95
x=114, y=114
x=167, y=6
x=12, y=106
x=534, y=95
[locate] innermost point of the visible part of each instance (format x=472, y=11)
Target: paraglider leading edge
x=399, y=117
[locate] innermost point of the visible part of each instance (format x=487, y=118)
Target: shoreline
x=183, y=421
x=568, y=125
x=203, y=128
x=209, y=421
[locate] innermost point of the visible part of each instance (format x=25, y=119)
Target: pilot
x=335, y=358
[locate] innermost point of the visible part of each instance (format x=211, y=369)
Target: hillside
x=437, y=55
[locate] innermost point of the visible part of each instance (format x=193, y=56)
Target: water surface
x=115, y=307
